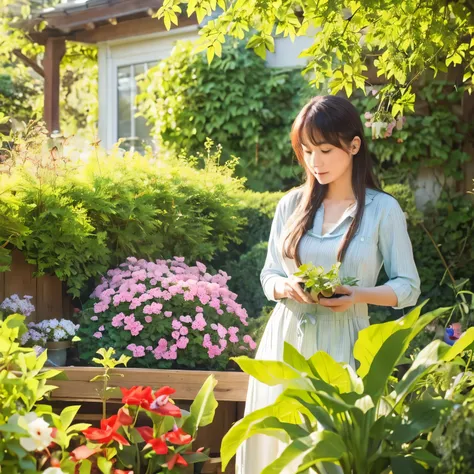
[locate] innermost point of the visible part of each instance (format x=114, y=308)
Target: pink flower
x=102, y=328
x=247, y=339
x=98, y=335
x=368, y=115
x=166, y=295
x=175, y=335
x=176, y=324
x=100, y=307
x=94, y=318
x=199, y=309
x=168, y=314
x=199, y=323
x=149, y=348
x=183, y=331
x=201, y=266
x=182, y=342
x=148, y=319
x=117, y=320
x=186, y=319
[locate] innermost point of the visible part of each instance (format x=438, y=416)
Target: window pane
x=124, y=102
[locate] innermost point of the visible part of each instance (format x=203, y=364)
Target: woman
x=338, y=214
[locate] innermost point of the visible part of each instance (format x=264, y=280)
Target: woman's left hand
x=343, y=303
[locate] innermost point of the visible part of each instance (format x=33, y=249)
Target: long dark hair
x=337, y=121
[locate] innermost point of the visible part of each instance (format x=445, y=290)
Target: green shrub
x=237, y=101
x=81, y=212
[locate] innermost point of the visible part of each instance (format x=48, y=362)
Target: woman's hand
x=343, y=303
x=290, y=288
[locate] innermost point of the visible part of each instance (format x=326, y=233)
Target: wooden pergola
x=91, y=21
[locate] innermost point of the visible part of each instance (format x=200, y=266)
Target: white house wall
x=113, y=54
x=139, y=49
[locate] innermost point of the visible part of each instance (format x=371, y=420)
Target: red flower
x=176, y=459
x=162, y=405
x=178, y=436
x=124, y=417
x=158, y=444
x=83, y=452
x=107, y=432
x=119, y=471
x=139, y=396
x=157, y=403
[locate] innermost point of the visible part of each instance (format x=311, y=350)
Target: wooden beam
x=128, y=28
x=55, y=49
x=73, y=20
x=231, y=386
x=29, y=62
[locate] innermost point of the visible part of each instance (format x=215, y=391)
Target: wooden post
x=55, y=49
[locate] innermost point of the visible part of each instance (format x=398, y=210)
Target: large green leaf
x=460, y=345
x=203, y=407
x=305, y=452
x=331, y=371
x=248, y=426
x=270, y=372
x=406, y=465
x=293, y=358
x=371, y=339
x=434, y=353
x=422, y=416
x=426, y=359
x=384, y=362
x=309, y=406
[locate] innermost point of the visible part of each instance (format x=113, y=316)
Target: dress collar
x=339, y=229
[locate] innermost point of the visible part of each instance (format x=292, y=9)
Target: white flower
x=54, y=470
x=39, y=431
x=53, y=323
x=59, y=334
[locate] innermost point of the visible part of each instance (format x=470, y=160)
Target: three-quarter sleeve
x=397, y=253
x=273, y=270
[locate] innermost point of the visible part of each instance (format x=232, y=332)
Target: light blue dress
x=382, y=239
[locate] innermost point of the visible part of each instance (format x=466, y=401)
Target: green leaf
x=104, y=465
x=86, y=467
x=294, y=359
x=431, y=355
x=203, y=407
x=422, y=416
x=305, y=452
x=245, y=428
x=384, y=362
x=269, y=372
x=331, y=371
x=371, y=339
x=68, y=414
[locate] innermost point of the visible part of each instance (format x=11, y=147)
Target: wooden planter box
x=230, y=392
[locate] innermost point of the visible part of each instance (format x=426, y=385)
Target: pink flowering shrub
x=165, y=314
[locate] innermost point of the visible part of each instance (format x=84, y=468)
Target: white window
x=133, y=129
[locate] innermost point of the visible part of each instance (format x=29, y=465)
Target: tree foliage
x=401, y=38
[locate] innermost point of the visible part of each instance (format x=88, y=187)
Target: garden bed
x=231, y=386
x=230, y=393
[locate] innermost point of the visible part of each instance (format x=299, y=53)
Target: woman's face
x=327, y=162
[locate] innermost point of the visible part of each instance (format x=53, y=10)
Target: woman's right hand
x=290, y=288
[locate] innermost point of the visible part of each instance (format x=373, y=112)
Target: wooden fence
x=48, y=292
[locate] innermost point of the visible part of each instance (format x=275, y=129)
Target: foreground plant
x=32, y=437
x=123, y=443
x=352, y=422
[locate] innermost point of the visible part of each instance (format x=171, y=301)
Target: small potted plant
x=53, y=334
x=16, y=305
x=318, y=283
